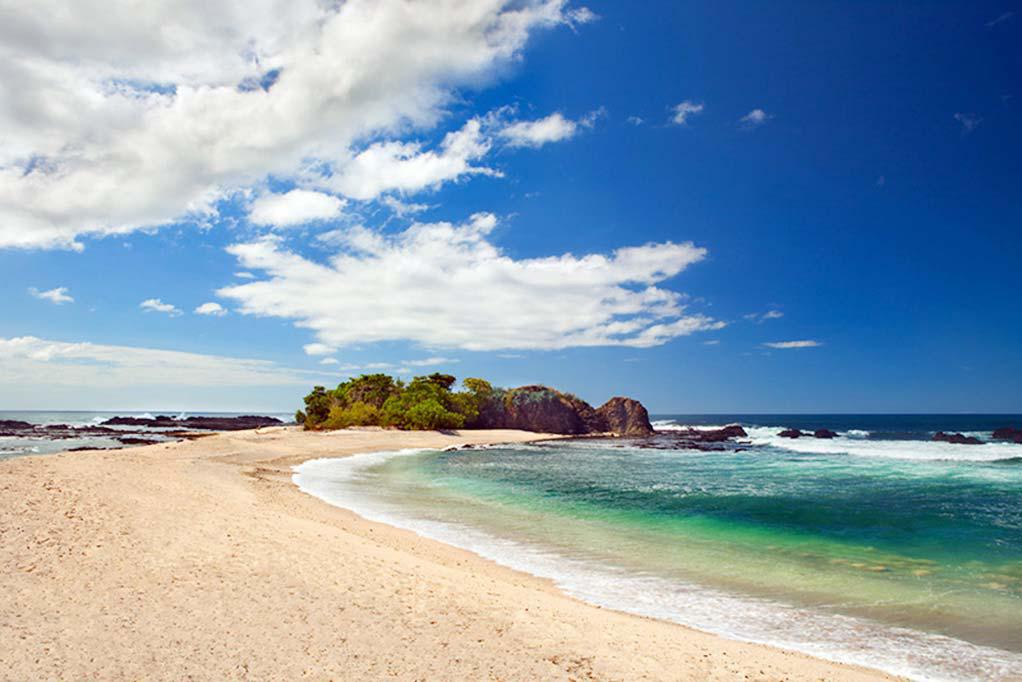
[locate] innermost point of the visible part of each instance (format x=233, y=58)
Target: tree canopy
x=426, y=402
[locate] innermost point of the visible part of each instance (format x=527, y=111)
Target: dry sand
x=201, y=560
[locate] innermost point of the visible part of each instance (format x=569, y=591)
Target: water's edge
x=851, y=640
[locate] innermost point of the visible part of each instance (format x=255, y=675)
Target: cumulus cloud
x=788, y=345
x=212, y=308
x=407, y=167
x=58, y=296
x=123, y=115
x=448, y=286
x=680, y=113
x=296, y=207
x=43, y=362
x=552, y=128
x=155, y=305
x=754, y=119
x=318, y=349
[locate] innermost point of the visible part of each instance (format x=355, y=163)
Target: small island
x=431, y=403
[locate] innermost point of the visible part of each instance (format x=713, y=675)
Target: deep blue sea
x=878, y=547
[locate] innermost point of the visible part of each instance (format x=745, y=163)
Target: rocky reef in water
x=135, y=430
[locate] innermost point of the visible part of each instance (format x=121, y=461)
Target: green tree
x=371, y=389
x=317, y=407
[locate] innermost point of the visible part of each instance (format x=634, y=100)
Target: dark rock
x=956, y=438
x=625, y=417
x=203, y=423
x=1008, y=433
x=131, y=440
x=824, y=433
x=791, y=433
x=547, y=410
x=14, y=425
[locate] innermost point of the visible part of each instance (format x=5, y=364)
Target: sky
x=712, y=207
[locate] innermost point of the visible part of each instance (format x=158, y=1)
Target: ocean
x=25, y=444
x=879, y=547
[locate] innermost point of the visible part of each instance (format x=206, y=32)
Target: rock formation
x=625, y=417
x=546, y=410
x=199, y=423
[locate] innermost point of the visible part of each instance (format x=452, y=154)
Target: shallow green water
x=873, y=559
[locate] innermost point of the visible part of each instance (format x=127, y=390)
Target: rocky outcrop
x=1008, y=433
x=791, y=433
x=14, y=425
x=956, y=438
x=625, y=417
x=824, y=433
x=547, y=410
x=707, y=440
x=197, y=423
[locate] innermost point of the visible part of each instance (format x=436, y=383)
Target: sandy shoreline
x=201, y=560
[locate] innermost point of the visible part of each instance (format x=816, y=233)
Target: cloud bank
x=119, y=115
x=444, y=285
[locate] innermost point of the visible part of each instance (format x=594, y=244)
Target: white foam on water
x=892, y=449
x=846, y=639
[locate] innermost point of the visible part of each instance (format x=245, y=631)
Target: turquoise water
x=899, y=554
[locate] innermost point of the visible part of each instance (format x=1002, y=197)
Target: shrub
x=317, y=407
x=356, y=414
x=299, y=417
x=430, y=414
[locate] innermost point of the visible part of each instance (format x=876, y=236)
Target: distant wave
x=862, y=443
x=892, y=449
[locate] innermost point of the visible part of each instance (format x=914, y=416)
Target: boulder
x=824, y=433
x=791, y=433
x=625, y=417
x=14, y=425
x=956, y=438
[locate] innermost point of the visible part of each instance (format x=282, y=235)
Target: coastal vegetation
x=435, y=402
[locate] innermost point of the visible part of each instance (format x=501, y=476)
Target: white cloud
x=155, y=305
x=406, y=167
x=552, y=128
x=682, y=112
x=636, y=120
x=430, y=362
x=448, y=286
x=296, y=207
x=763, y=317
x=58, y=296
x=969, y=121
x=786, y=345
x=244, y=275
x=123, y=115
x=329, y=361
x=403, y=208
x=712, y=342
x=211, y=308
x=86, y=365
x=318, y=349
x=754, y=119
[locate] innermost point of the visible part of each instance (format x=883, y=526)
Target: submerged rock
x=956, y=438
x=1008, y=433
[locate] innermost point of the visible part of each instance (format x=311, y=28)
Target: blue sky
x=818, y=203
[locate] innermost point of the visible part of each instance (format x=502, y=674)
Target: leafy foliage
x=426, y=402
